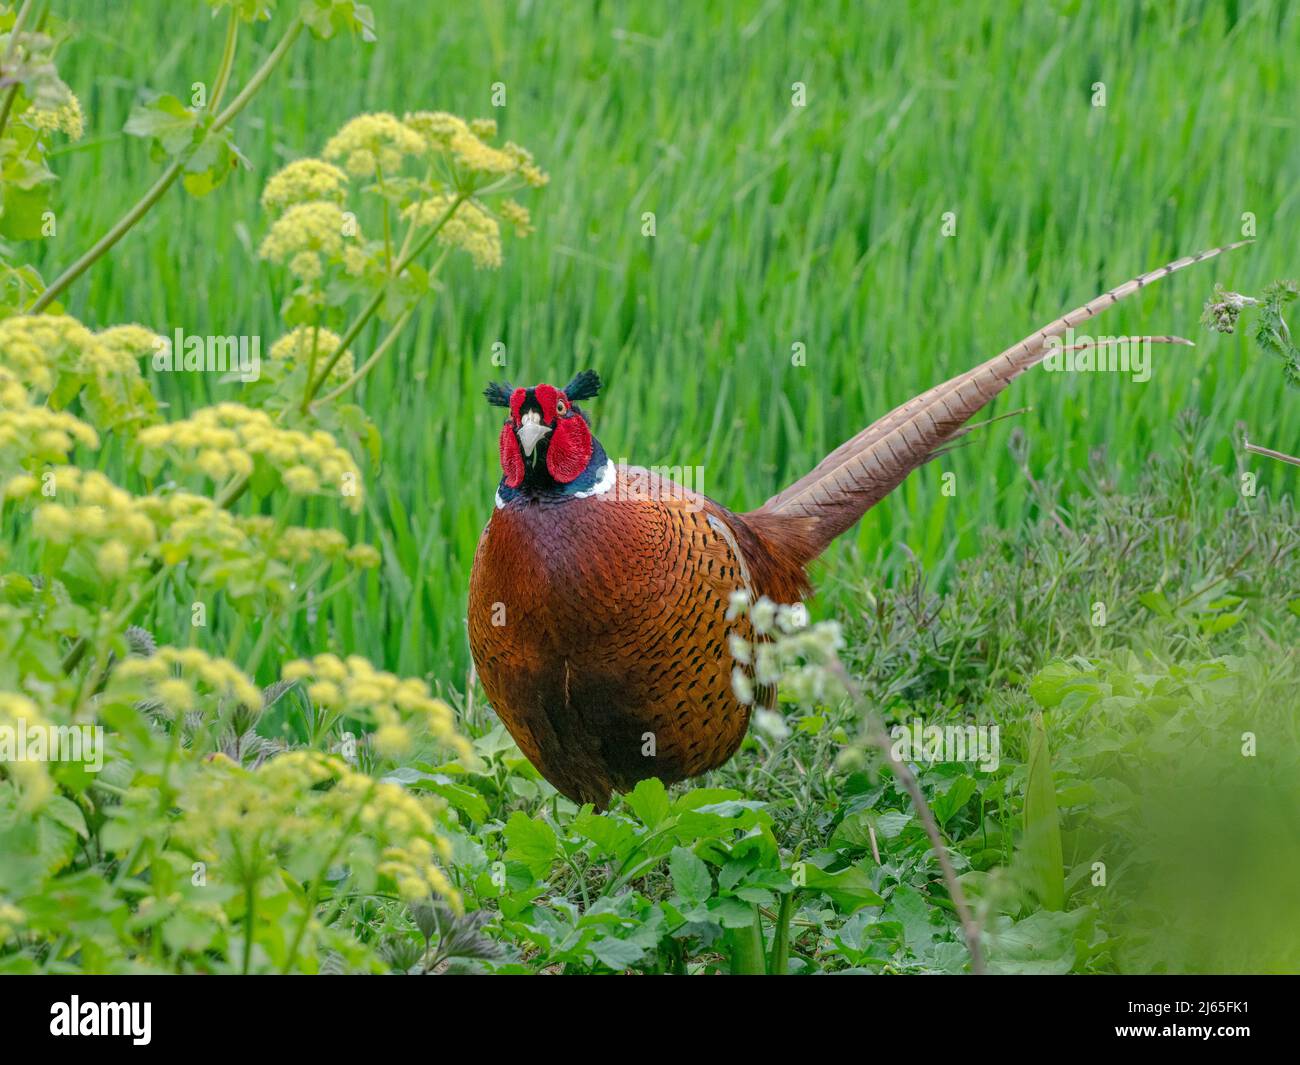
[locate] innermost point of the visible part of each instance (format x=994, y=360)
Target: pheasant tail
x=814, y=510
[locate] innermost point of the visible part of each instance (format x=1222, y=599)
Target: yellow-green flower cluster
x=307, y=236
x=298, y=546
x=469, y=228
x=308, y=799
x=56, y=359
x=120, y=533
x=437, y=127
x=516, y=214
x=411, y=866
x=353, y=686
x=90, y=511
x=182, y=679
x=35, y=435
x=305, y=181
x=466, y=143
x=38, y=348
x=66, y=118
x=225, y=439
x=19, y=712
x=374, y=142
x=130, y=341
x=296, y=347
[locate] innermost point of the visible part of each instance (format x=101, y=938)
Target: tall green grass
x=775, y=225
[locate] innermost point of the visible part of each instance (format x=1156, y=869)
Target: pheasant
x=599, y=595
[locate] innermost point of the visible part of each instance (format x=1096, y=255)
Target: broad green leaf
x=947, y=803
x=617, y=954
x=691, y=877
x=850, y=889
x=649, y=801
x=531, y=842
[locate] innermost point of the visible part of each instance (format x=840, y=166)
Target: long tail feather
x=862, y=471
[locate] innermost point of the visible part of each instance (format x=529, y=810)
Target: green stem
x=9, y=51
x=388, y=229
x=259, y=77
x=747, y=948
x=166, y=179
x=781, y=936
x=310, y=907
x=250, y=912
x=369, y=364
x=311, y=362
x=378, y=298
x=227, y=62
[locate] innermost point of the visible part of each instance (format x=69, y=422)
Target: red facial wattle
x=512, y=458
x=569, y=449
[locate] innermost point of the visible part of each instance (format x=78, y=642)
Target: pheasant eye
x=561, y=407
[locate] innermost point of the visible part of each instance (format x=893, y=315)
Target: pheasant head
x=546, y=444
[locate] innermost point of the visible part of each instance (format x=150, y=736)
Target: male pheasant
x=599, y=594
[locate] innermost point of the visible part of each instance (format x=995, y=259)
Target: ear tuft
x=498, y=393
x=584, y=386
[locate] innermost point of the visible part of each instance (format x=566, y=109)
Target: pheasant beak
x=531, y=431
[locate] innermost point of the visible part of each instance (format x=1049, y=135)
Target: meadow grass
x=775, y=225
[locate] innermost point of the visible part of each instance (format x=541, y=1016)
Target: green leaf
x=612, y=835
x=532, y=843
x=948, y=803
x=22, y=211
x=908, y=907
x=164, y=120
x=691, y=877
x=1157, y=604
x=850, y=889
x=617, y=954
x=325, y=18
x=67, y=813
x=467, y=800
x=649, y=801
x=213, y=160
x=1040, y=945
